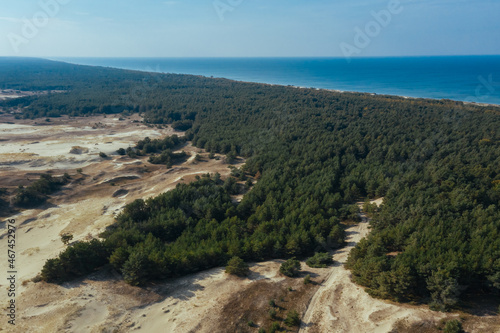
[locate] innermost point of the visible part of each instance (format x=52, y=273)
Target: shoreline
x=389, y=94
x=480, y=104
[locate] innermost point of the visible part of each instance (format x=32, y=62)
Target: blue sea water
x=462, y=78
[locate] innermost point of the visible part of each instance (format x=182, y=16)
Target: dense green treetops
x=314, y=153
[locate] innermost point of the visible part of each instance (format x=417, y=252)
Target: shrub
x=121, y=151
x=307, y=279
x=319, y=260
x=272, y=303
x=237, y=266
x=103, y=155
x=290, y=267
x=66, y=238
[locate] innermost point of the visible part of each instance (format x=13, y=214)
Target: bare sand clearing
x=12, y=93
x=67, y=143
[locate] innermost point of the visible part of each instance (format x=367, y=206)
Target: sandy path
x=342, y=306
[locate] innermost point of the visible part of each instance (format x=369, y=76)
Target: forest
x=314, y=154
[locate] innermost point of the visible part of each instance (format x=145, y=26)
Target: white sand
x=342, y=306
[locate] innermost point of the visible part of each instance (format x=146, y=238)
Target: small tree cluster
x=290, y=268
x=319, y=260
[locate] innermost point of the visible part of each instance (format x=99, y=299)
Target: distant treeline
x=315, y=153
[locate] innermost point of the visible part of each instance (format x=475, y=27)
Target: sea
x=462, y=78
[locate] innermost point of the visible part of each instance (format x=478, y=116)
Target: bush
x=66, y=238
x=272, y=303
x=290, y=267
x=261, y=330
x=307, y=279
x=319, y=260
x=121, y=151
x=103, y=155
x=292, y=319
x=453, y=326
x=237, y=266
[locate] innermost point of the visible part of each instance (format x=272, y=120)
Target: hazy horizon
x=256, y=29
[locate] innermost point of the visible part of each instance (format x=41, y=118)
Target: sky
x=248, y=28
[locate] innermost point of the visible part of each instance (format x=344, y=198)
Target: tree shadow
x=480, y=304
x=256, y=276
x=311, y=274
x=182, y=288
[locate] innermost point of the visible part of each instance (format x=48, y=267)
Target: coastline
x=392, y=95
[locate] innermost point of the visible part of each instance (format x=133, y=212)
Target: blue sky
x=247, y=28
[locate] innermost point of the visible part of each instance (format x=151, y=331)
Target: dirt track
x=340, y=305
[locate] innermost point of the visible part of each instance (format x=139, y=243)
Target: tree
x=103, y=155
x=275, y=326
x=290, y=267
x=272, y=313
x=336, y=238
x=453, y=326
x=136, y=268
x=292, y=319
x=444, y=289
x=237, y=266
